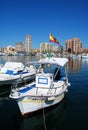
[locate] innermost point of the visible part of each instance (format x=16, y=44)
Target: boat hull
x=12, y=80
x=28, y=106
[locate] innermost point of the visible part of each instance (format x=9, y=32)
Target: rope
x=44, y=119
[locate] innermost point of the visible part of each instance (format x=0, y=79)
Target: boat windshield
x=50, y=68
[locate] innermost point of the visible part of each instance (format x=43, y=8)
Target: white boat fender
x=66, y=90
x=14, y=93
x=49, y=99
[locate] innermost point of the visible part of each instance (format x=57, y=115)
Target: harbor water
x=70, y=114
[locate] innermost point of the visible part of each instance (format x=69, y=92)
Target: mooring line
x=44, y=119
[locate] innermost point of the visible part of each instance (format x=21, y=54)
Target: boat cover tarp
x=58, y=61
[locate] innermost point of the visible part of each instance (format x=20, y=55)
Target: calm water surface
x=70, y=114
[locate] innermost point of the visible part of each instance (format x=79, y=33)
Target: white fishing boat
x=48, y=89
x=13, y=71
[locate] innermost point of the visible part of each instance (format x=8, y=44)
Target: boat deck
x=32, y=90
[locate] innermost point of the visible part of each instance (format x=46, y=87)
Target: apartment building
x=74, y=45
x=19, y=46
x=44, y=47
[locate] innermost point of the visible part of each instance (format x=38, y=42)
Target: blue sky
x=65, y=19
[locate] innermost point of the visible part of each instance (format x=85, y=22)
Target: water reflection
x=85, y=62
x=23, y=59
x=74, y=65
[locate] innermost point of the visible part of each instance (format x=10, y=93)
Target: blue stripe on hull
x=27, y=89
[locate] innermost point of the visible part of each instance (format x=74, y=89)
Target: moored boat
x=10, y=72
x=49, y=88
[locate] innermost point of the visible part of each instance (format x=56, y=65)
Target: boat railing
x=52, y=88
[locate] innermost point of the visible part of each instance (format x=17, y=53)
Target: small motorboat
x=49, y=88
x=10, y=72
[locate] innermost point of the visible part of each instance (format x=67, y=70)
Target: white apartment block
x=28, y=43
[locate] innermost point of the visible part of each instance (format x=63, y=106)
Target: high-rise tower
x=28, y=43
